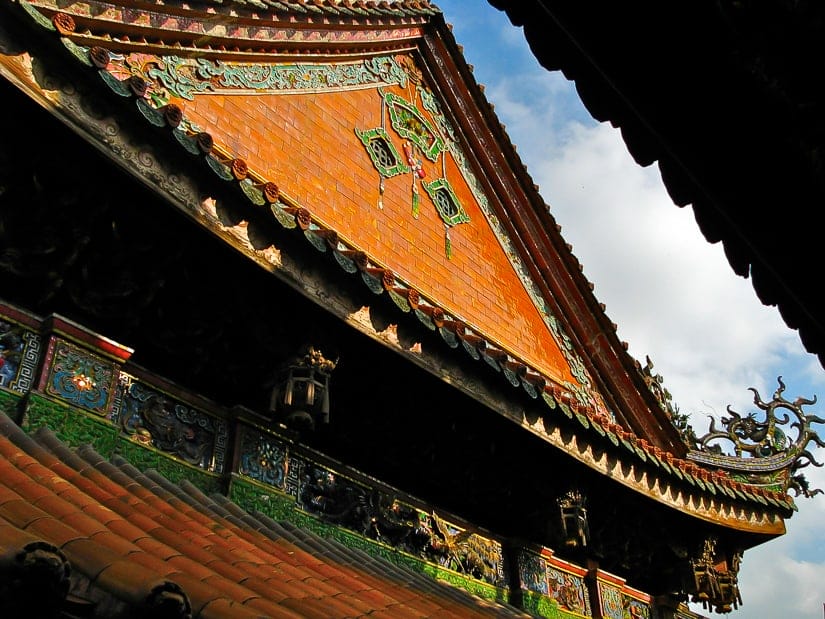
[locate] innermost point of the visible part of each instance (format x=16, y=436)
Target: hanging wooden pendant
x=416, y=200
x=417, y=169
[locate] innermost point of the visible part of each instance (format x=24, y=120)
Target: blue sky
x=672, y=294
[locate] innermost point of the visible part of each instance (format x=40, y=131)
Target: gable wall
x=306, y=144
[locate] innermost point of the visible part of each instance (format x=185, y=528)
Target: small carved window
x=381, y=154
x=384, y=155
x=446, y=202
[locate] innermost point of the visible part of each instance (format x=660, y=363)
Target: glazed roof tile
x=134, y=534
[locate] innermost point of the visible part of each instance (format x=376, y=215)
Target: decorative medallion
x=80, y=378
x=263, y=458
x=448, y=208
x=384, y=155
x=411, y=125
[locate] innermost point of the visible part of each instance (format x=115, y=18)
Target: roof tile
x=156, y=548
x=128, y=581
x=127, y=530
x=399, y=611
x=139, y=532
x=113, y=541
x=231, y=590
x=88, y=557
x=21, y=513
x=6, y=493
x=101, y=513
x=83, y=524
x=56, y=506
x=271, y=609
x=12, y=538
x=327, y=608
x=57, y=532
x=221, y=608
x=153, y=562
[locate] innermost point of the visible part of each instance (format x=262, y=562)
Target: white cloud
x=775, y=585
x=675, y=298
x=671, y=293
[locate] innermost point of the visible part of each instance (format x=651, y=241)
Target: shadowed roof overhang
x=723, y=97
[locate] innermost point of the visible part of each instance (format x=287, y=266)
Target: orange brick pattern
x=306, y=144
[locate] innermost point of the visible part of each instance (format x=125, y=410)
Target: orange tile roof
x=141, y=540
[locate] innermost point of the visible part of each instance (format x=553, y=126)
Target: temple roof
x=136, y=539
x=596, y=372
x=595, y=403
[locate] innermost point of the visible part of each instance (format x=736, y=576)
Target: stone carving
x=533, y=572
x=464, y=551
x=186, y=78
x=568, y=591
x=380, y=516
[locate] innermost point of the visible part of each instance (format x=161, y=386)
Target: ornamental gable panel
x=366, y=148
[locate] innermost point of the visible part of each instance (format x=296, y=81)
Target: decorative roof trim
x=634, y=469
x=207, y=32
x=632, y=462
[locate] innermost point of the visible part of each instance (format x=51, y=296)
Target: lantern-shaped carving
x=300, y=397
x=573, y=514
x=715, y=579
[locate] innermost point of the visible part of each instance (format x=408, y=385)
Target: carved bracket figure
x=574, y=525
x=716, y=578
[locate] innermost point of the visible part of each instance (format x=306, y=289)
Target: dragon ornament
x=655, y=383
x=764, y=451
